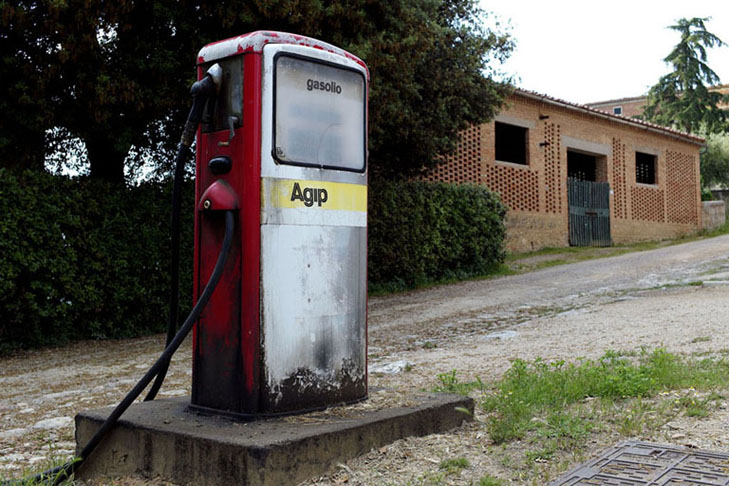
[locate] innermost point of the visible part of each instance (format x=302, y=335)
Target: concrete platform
x=162, y=438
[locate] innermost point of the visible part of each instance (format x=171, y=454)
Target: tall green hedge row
x=421, y=232
x=80, y=259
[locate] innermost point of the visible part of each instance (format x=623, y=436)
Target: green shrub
x=81, y=259
x=421, y=232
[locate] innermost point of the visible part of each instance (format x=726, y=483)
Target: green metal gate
x=589, y=209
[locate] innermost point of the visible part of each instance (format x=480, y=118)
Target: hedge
x=81, y=259
x=421, y=233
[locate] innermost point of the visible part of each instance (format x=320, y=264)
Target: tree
x=117, y=74
x=682, y=98
x=715, y=161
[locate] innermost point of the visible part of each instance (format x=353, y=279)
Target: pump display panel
x=319, y=114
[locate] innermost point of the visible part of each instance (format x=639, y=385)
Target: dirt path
x=581, y=309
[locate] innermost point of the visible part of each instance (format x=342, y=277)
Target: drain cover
x=645, y=464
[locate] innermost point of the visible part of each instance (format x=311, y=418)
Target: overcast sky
x=589, y=50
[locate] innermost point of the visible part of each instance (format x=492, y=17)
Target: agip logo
x=313, y=196
x=309, y=195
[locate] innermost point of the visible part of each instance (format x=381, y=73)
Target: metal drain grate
x=646, y=464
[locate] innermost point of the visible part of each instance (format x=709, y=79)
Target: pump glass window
x=319, y=114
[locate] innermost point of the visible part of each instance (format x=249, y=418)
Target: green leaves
x=83, y=259
x=681, y=99
x=715, y=161
x=421, y=232
x=105, y=72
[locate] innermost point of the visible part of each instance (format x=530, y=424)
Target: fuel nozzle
x=201, y=92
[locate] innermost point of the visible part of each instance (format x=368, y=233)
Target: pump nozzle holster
x=201, y=92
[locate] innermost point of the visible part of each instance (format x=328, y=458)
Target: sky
x=583, y=51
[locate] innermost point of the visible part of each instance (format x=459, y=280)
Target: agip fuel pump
x=285, y=144
x=280, y=315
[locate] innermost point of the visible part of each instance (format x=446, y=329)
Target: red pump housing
x=285, y=145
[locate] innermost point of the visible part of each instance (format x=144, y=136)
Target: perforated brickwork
x=553, y=168
x=647, y=204
x=464, y=166
x=681, y=189
x=619, y=184
x=519, y=188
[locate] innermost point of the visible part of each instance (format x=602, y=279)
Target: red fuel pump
x=280, y=315
x=284, y=144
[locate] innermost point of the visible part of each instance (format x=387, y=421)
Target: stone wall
x=714, y=214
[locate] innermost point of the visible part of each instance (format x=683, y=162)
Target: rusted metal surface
x=646, y=464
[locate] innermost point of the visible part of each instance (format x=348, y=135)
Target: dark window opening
x=511, y=143
x=618, y=110
x=581, y=166
x=645, y=168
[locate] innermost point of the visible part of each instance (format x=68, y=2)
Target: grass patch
x=53, y=460
x=452, y=466
x=532, y=390
x=450, y=383
x=490, y=481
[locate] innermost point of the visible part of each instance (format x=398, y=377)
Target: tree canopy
x=715, y=161
x=682, y=98
x=116, y=75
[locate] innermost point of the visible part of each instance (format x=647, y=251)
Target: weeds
x=452, y=466
x=530, y=390
x=450, y=383
x=490, y=481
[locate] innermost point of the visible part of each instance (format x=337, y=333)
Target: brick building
x=539, y=148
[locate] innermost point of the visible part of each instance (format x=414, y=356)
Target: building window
x=511, y=143
x=645, y=168
x=617, y=110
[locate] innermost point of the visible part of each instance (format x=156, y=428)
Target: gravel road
x=647, y=299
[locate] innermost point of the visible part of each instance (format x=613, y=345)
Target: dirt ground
x=647, y=299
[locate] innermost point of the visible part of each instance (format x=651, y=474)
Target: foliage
x=682, y=98
x=530, y=389
x=82, y=259
x=715, y=161
x=450, y=383
x=85, y=259
x=453, y=465
x=116, y=75
x=420, y=232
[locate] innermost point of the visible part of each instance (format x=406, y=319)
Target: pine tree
x=682, y=98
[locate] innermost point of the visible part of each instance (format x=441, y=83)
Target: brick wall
x=536, y=193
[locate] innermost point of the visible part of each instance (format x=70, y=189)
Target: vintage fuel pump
x=284, y=144
x=280, y=314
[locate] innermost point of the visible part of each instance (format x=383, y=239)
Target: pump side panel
x=313, y=243
x=313, y=315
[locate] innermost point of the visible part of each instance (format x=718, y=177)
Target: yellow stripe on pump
x=314, y=195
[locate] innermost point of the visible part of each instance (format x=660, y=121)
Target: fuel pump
x=285, y=141
x=279, y=321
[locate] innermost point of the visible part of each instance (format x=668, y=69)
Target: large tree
x=682, y=98
x=116, y=74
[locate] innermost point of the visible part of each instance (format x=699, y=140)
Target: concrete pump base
x=162, y=438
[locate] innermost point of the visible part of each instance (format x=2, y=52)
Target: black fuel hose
x=182, y=151
x=201, y=91
x=58, y=474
